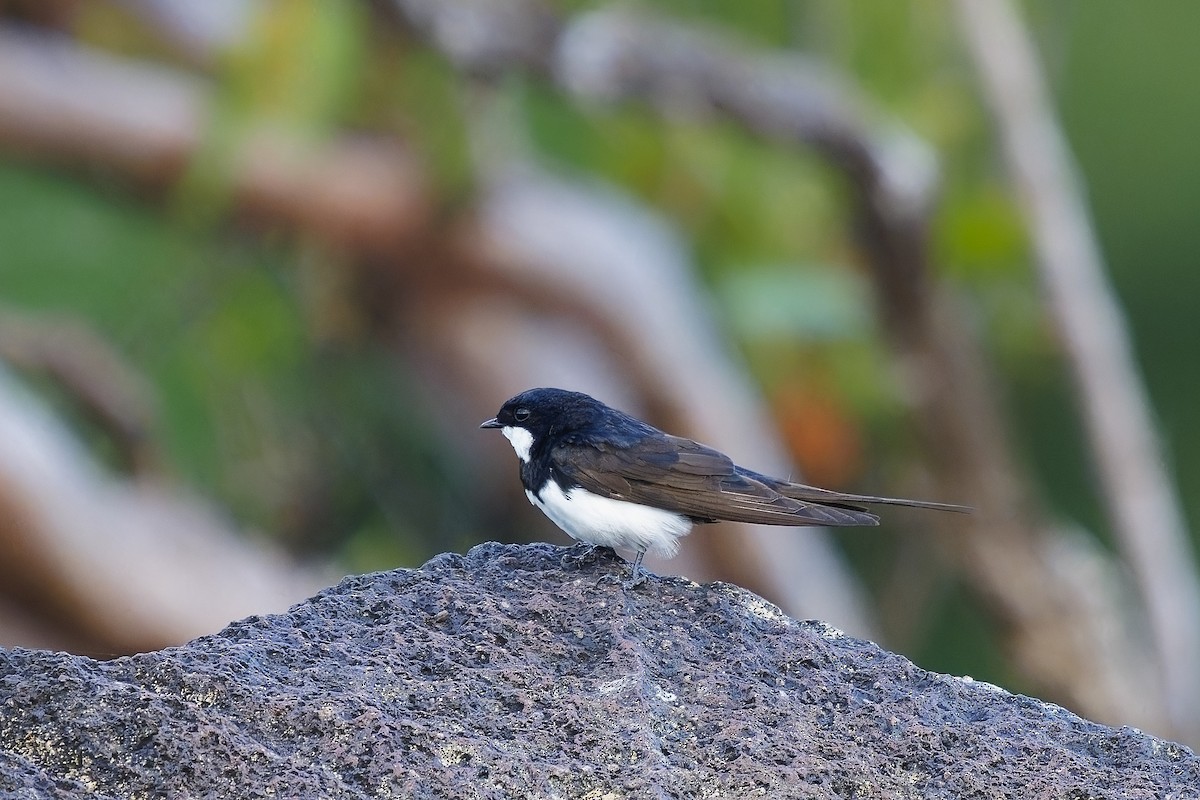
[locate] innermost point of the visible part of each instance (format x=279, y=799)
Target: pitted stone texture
x=504, y=674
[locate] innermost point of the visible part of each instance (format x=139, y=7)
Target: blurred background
x=266, y=265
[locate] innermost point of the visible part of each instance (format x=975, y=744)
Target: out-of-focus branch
x=1142, y=503
x=94, y=376
x=616, y=53
x=117, y=565
x=67, y=104
x=200, y=31
x=487, y=38
x=60, y=102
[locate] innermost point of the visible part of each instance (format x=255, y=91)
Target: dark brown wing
x=680, y=475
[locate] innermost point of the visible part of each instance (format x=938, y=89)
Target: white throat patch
x=521, y=440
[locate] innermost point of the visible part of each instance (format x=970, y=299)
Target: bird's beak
x=492, y=423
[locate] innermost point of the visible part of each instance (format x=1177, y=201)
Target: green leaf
x=804, y=302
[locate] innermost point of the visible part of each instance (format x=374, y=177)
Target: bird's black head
x=548, y=411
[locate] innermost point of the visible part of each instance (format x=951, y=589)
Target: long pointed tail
x=856, y=502
x=798, y=491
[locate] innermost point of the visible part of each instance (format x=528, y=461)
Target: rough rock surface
x=503, y=673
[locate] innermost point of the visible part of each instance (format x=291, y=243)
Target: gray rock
x=503, y=674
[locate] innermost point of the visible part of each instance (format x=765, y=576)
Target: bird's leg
x=637, y=575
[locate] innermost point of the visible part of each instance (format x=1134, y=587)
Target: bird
x=611, y=480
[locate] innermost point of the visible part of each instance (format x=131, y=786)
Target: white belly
x=590, y=518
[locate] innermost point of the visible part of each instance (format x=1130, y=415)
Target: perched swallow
x=611, y=480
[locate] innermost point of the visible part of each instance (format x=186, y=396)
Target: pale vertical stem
x=1142, y=503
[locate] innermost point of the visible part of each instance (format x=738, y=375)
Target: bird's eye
x=521, y=414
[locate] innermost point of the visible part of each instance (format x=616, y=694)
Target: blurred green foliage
x=322, y=442
x=204, y=316
x=297, y=70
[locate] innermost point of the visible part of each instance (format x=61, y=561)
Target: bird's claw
x=634, y=580
x=590, y=556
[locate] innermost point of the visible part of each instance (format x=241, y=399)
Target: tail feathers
x=851, y=502
x=798, y=491
x=833, y=515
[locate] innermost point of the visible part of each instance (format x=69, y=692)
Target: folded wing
x=681, y=475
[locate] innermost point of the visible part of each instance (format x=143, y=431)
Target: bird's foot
x=637, y=575
x=634, y=580
x=590, y=556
